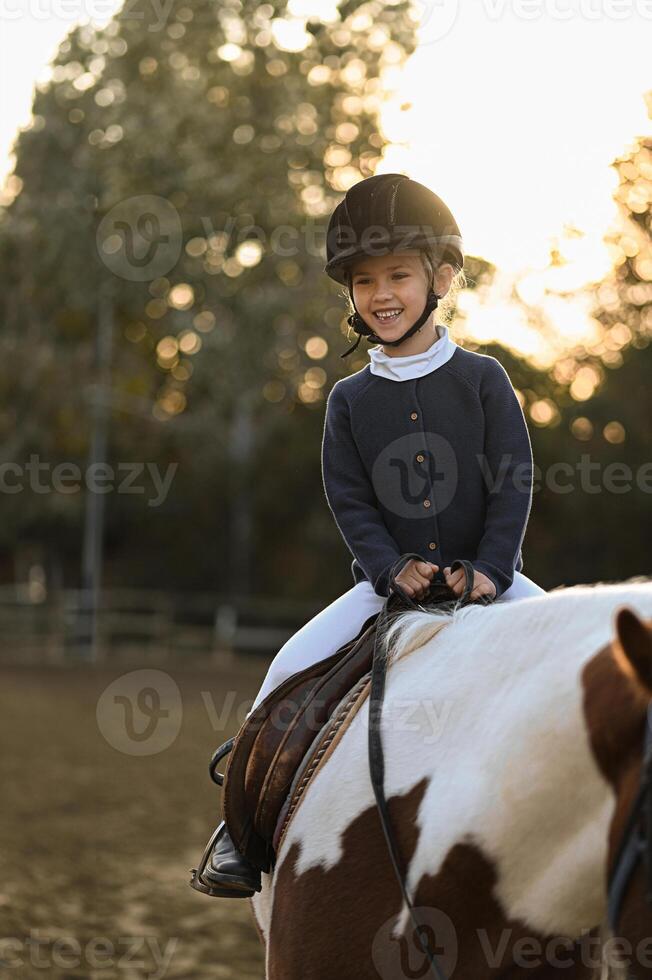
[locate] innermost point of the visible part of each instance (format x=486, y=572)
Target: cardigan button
x=432, y=545
x=414, y=416
x=420, y=458
x=426, y=503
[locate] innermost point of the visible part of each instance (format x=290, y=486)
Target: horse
x=513, y=737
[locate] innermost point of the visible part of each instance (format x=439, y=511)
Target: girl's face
x=395, y=285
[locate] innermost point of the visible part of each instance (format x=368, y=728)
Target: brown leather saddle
x=276, y=737
x=286, y=735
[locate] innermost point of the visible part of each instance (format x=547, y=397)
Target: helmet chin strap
x=363, y=330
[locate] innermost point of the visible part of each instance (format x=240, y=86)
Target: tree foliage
x=174, y=183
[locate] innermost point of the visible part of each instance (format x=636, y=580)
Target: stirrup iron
x=196, y=873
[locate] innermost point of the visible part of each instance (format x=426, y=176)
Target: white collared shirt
x=413, y=365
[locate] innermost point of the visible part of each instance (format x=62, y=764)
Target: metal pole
x=88, y=633
x=241, y=449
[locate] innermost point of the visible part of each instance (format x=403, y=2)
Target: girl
x=425, y=450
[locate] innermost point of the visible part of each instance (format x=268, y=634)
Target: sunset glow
x=514, y=120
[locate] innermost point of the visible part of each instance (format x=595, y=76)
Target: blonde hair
x=431, y=262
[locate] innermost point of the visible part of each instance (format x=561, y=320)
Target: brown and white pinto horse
x=513, y=737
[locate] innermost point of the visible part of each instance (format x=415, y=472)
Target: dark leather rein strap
x=636, y=838
x=376, y=756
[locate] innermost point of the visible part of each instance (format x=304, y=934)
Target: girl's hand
x=414, y=578
x=482, y=585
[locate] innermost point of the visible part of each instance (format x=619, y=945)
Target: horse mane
x=552, y=615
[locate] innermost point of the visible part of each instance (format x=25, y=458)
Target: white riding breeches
x=339, y=622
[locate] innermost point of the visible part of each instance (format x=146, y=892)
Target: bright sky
x=518, y=109
x=515, y=123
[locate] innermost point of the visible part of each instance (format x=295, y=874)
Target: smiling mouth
x=388, y=319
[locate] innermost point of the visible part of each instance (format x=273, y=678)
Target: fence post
x=226, y=625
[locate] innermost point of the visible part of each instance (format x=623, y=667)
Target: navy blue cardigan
x=440, y=465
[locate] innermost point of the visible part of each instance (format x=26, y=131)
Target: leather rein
x=636, y=839
x=376, y=755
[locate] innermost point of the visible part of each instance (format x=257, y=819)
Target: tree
x=167, y=156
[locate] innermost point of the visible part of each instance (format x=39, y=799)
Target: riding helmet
x=383, y=214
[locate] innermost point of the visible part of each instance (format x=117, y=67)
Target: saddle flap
x=309, y=720
x=273, y=729
x=319, y=752
x=274, y=738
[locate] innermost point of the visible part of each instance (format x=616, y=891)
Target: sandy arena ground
x=97, y=841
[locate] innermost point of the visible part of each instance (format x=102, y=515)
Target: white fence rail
x=143, y=623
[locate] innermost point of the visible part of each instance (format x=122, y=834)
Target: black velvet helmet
x=387, y=213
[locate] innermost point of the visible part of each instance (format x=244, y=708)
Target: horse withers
x=513, y=738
